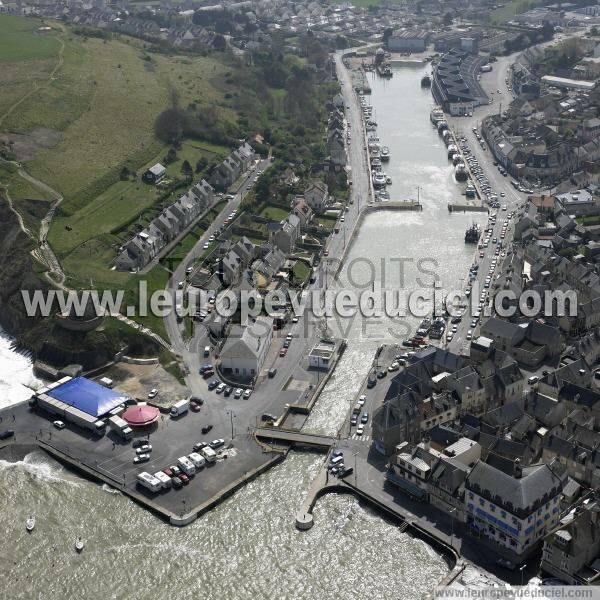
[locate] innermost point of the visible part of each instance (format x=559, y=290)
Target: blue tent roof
x=88, y=396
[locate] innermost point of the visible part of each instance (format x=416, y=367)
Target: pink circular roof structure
x=141, y=415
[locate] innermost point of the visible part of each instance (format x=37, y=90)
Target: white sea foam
x=40, y=466
x=16, y=374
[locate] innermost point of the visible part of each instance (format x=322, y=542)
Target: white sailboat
x=30, y=524
x=79, y=545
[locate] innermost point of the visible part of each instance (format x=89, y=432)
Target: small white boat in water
x=30, y=524
x=79, y=545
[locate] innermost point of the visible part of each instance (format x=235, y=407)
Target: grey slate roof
x=518, y=496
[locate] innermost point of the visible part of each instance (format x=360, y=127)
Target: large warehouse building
x=408, y=41
x=80, y=401
x=455, y=86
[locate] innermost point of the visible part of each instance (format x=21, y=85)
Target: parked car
x=152, y=393
x=59, y=424
x=217, y=443
x=364, y=418
x=238, y=393
x=199, y=445
x=177, y=483
x=247, y=394
x=140, y=458
x=7, y=433
x=213, y=384
x=143, y=449
x=228, y=391
x=272, y=373
x=206, y=429
x=221, y=388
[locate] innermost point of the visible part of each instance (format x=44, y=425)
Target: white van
x=179, y=408
x=336, y=460
x=186, y=465
x=149, y=482
x=209, y=454
x=199, y=461
x=206, y=350
x=164, y=479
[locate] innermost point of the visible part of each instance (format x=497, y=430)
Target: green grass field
x=510, y=9
x=19, y=40
x=274, y=213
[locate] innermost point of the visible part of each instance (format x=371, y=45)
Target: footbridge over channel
x=291, y=437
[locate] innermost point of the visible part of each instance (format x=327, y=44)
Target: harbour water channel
x=248, y=547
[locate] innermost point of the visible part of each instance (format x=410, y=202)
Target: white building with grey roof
x=514, y=510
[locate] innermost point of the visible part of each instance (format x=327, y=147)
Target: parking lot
x=111, y=458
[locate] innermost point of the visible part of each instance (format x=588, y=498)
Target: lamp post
x=522, y=569
x=355, y=454
x=452, y=511
x=231, y=415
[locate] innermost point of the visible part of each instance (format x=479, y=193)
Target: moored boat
x=436, y=115
x=472, y=234
x=378, y=180
x=79, y=545
x=460, y=172
x=426, y=81
x=452, y=149
x=385, y=153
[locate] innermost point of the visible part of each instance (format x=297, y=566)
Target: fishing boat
x=385, y=153
x=388, y=180
x=378, y=180
x=470, y=191
x=442, y=126
x=436, y=115
x=79, y=545
x=452, y=149
x=30, y=524
x=460, y=172
x=456, y=158
x=472, y=234
x=426, y=81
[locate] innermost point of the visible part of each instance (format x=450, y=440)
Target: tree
x=219, y=43
x=171, y=156
x=168, y=126
x=201, y=164
x=186, y=170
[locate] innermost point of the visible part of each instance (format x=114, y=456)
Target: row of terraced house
x=149, y=243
